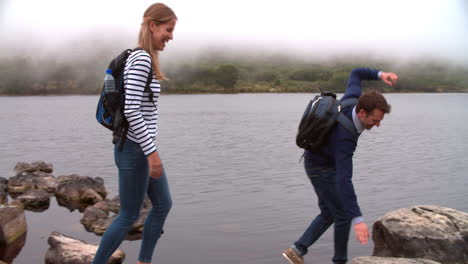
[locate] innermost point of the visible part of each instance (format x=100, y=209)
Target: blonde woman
x=140, y=169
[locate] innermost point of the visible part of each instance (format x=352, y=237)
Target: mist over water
x=313, y=31
x=59, y=43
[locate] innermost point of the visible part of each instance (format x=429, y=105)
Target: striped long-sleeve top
x=140, y=112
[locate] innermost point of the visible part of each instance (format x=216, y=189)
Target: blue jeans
x=134, y=184
x=323, y=180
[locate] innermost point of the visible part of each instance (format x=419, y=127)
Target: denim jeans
x=134, y=184
x=323, y=180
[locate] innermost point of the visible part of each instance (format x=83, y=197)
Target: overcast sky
x=437, y=28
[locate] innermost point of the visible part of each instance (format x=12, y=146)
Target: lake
x=240, y=193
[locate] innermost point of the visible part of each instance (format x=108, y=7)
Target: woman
x=140, y=168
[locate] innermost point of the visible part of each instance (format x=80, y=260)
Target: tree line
x=214, y=74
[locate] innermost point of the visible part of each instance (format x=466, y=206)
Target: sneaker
x=292, y=256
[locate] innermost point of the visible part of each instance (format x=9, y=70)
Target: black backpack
x=110, y=107
x=320, y=116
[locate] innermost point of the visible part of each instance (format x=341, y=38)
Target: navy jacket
x=340, y=146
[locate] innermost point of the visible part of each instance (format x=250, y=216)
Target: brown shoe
x=292, y=256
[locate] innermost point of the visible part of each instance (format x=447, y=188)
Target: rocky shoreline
x=31, y=189
x=424, y=234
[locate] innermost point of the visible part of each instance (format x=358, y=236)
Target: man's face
x=371, y=119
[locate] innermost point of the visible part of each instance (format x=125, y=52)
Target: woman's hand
x=155, y=165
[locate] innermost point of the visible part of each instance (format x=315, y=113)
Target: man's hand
x=155, y=165
x=362, y=232
x=389, y=78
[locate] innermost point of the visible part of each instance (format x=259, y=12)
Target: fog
x=400, y=29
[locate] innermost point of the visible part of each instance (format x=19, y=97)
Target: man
x=330, y=170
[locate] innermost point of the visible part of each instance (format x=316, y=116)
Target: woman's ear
x=152, y=26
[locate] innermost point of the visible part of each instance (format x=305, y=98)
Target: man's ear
x=362, y=114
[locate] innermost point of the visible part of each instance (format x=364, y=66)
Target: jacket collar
x=357, y=122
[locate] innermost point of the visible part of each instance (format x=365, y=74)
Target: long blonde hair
x=157, y=13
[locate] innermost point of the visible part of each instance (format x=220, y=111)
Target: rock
x=38, y=166
x=36, y=200
x=100, y=226
x=91, y=215
x=3, y=197
x=36, y=180
x=17, y=204
x=9, y=252
x=428, y=232
x=90, y=197
x=20, y=184
x=98, y=218
x=3, y=190
x=382, y=260
x=80, y=188
x=109, y=205
x=12, y=224
x=3, y=184
x=68, y=250
x=71, y=204
x=46, y=182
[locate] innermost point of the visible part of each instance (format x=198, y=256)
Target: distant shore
x=212, y=74
x=201, y=93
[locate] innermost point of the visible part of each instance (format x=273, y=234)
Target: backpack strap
x=147, y=87
x=123, y=137
x=344, y=120
x=349, y=102
x=347, y=123
x=149, y=80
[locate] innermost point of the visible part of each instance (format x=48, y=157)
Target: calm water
x=240, y=194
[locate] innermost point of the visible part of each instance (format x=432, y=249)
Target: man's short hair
x=372, y=100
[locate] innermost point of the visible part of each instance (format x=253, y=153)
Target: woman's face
x=162, y=33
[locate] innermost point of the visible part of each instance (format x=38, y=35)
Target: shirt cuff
x=379, y=75
x=149, y=151
x=358, y=220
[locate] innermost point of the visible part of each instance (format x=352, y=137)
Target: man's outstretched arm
x=353, y=87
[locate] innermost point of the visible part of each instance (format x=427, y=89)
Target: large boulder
x=9, y=252
x=3, y=190
x=75, y=190
x=12, y=224
x=382, y=260
x=99, y=217
x=24, y=182
x=428, y=232
x=26, y=168
x=3, y=184
x=112, y=205
x=12, y=232
x=36, y=200
x=91, y=216
x=68, y=250
x=3, y=197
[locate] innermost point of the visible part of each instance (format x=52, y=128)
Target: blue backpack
x=109, y=112
x=320, y=116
